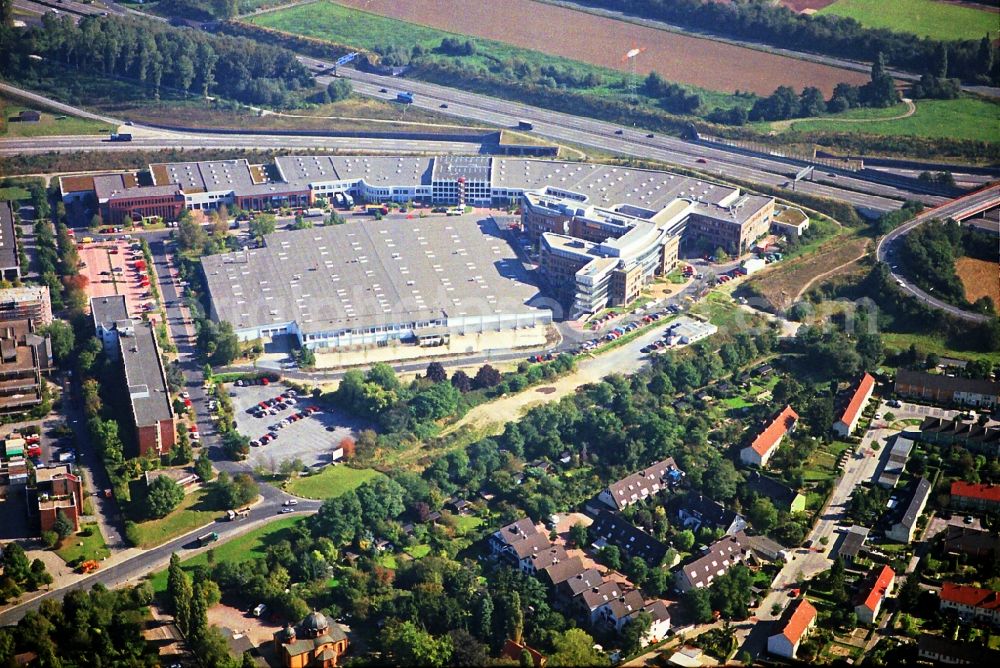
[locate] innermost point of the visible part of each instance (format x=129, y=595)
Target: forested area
x=972, y=60
x=158, y=56
x=929, y=253
x=99, y=627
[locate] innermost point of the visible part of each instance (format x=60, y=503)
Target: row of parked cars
x=624, y=329
x=274, y=405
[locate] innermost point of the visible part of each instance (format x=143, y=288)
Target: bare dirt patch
x=602, y=41
x=782, y=285
x=980, y=278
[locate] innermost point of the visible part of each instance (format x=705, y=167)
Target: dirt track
x=602, y=41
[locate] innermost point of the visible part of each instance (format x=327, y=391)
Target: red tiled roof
x=778, y=427
x=977, y=597
x=512, y=650
x=795, y=624
x=879, y=588
x=976, y=491
x=858, y=400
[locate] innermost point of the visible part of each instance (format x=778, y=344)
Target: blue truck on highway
x=404, y=97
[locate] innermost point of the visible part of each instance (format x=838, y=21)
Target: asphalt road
x=564, y=127
x=963, y=207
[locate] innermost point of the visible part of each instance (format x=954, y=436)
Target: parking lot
x=311, y=439
x=110, y=270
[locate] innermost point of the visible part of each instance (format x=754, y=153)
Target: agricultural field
x=597, y=40
x=49, y=125
x=926, y=18
x=980, y=278
x=965, y=118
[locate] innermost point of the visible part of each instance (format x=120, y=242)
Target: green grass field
x=330, y=482
x=49, y=125
x=926, y=343
x=248, y=546
x=964, y=118
x=80, y=547
x=14, y=193
x=197, y=509
x=343, y=25
x=822, y=463
x=926, y=18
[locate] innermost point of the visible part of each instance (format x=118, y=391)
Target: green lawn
x=928, y=343
x=465, y=524
x=50, y=124
x=248, y=546
x=964, y=118
x=330, y=482
x=14, y=193
x=342, y=25
x=81, y=547
x=197, y=509
x=418, y=551
x=822, y=463
x=926, y=18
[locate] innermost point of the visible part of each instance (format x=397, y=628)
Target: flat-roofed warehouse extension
x=365, y=284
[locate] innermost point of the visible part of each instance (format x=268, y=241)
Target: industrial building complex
x=603, y=233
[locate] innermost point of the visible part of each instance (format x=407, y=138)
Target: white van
x=259, y=610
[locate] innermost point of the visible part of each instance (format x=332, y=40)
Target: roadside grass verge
x=925, y=18
x=88, y=544
x=331, y=482
x=963, y=118
x=197, y=509
x=243, y=548
x=50, y=123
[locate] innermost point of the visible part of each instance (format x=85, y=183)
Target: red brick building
x=166, y=202
x=58, y=490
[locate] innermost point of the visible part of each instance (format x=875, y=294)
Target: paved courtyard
x=309, y=439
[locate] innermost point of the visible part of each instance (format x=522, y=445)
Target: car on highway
x=701, y=161
x=291, y=502
x=649, y=136
x=444, y=105
x=619, y=132
x=382, y=90
x=285, y=510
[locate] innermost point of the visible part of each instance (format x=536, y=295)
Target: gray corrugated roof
x=8, y=240
x=144, y=374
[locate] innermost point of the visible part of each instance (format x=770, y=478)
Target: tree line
x=838, y=36
x=930, y=252
x=161, y=56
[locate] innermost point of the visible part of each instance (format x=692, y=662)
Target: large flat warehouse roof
x=366, y=274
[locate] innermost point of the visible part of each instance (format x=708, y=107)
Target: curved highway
x=961, y=208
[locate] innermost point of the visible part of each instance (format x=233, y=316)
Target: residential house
x=971, y=602
x=57, y=490
x=715, y=560
x=540, y=560
x=696, y=511
x=796, y=622
x=503, y=540
x=632, y=541
x=975, y=496
x=974, y=543
x=590, y=602
x=660, y=618
x=763, y=447
x=872, y=594
x=781, y=495
x=573, y=586
x=903, y=530
x=458, y=506
x=766, y=549
x=848, y=420
x=638, y=486
x=947, y=389
x=896, y=463
x=851, y=542
x=513, y=651
x=616, y=612
x=971, y=436
x=558, y=573
x=523, y=551
x=938, y=651
x=314, y=643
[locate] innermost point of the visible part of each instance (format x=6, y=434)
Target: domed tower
x=314, y=625
x=285, y=636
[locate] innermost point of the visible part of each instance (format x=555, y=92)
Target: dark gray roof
x=144, y=373
x=582, y=581
x=515, y=532
x=781, y=494
x=314, y=621
x=108, y=185
x=146, y=191
x=920, y=493
x=948, y=383
x=8, y=240
x=108, y=310
x=710, y=512
x=853, y=540
x=208, y=176
x=720, y=555
x=616, y=530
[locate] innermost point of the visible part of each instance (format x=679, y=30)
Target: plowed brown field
x=603, y=41
x=980, y=278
